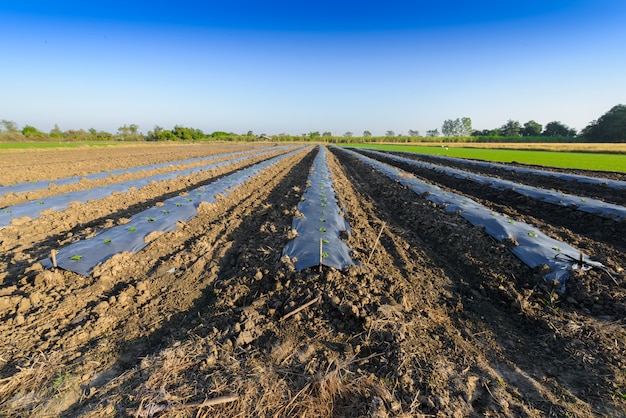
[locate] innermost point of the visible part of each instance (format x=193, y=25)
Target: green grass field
x=561, y=159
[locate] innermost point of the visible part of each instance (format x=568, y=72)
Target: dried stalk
x=376, y=242
x=295, y=311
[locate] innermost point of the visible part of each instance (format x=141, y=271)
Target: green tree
x=457, y=127
x=56, y=132
x=9, y=125
x=31, y=132
x=556, y=128
x=327, y=133
x=390, y=133
x=414, y=133
x=531, y=128
x=133, y=129
x=367, y=133
x=315, y=134
x=511, y=128
x=432, y=133
x=348, y=134
x=123, y=131
x=466, y=125
x=610, y=127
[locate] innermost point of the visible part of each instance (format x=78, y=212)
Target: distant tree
x=466, y=124
x=348, y=134
x=556, y=128
x=414, y=133
x=327, y=133
x=390, y=133
x=511, y=128
x=133, y=129
x=432, y=133
x=31, y=132
x=610, y=127
x=315, y=134
x=250, y=133
x=531, y=128
x=457, y=127
x=448, y=128
x=56, y=132
x=9, y=125
x=123, y=131
x=367, y=133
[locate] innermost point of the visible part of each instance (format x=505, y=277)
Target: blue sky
x=296, y=66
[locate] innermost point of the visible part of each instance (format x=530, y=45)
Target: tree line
x=610, y=127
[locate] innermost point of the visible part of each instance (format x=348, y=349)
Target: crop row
x=529, y=244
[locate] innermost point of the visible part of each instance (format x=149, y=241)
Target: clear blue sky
x=300, y=66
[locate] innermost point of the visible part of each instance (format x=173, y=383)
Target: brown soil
x=441, y=321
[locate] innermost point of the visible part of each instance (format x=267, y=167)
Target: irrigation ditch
x=212, y=318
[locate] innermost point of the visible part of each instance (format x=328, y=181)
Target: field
x=211, y=320
x=598, y=157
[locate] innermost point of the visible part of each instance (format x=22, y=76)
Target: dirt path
x=440, y=320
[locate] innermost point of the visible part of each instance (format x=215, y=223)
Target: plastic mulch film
x=530, y=245
x=583, y=204
x=320, y=224
x=61, y=202
x=46, y=184
x=81, y=256
x=600, y=181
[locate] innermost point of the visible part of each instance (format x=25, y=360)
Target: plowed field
x=439, y=320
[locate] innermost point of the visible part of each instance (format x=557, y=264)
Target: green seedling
x=165, y=211
x=557, y=249
x=40, y=202
x=150, y=219
x=324, y=254
x=494, y=213
x=189, y=199
x=107, y=241
x=6, y=211
x=322, y=220
x=179, y=204
x=322, y=229
x=533, y=234
x=464, y=202
x=132, y=229
x=511, y=221
x=325, y=241
x=76, y=257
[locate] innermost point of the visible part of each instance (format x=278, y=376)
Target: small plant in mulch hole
x=322, y=229
x=40, y=202
x=324, y=205
x=76, y=257
x=511, y=221
x=165, y=211
x=150, y=219
x=189, y=199
x=533, y=234
x=557, y=249
x=6, y=211
x=179, y=204
x=107, y=240
x=132, y=229
x=322, y=220
x=325, y=241
x=324, y=254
